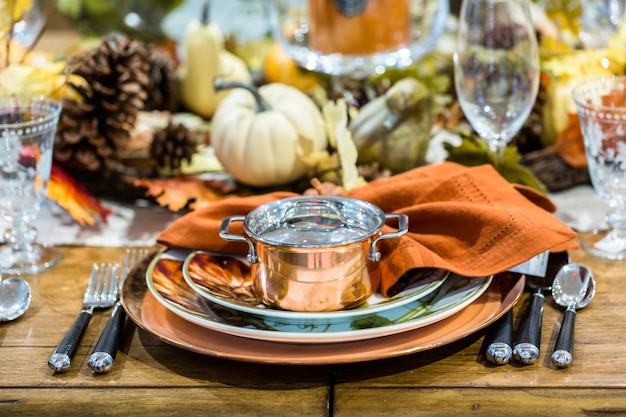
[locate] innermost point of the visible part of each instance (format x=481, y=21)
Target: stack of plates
x=190, y=302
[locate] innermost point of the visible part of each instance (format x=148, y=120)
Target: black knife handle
x=499, y=351
x=103, y=356
x=61, y=359
x=562, y=354
x=527, y=345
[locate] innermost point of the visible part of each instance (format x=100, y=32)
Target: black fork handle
x=103, y=356
x=61, y=359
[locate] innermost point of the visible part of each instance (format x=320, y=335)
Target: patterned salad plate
x=165, y=281
x=226, y=280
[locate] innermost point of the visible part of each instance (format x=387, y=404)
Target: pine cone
x=97, y=124
x=171, y=145
x=163, y=87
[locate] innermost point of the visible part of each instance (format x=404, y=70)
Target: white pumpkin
x=264, y=137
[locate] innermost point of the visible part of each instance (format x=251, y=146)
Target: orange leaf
x=570, y=145
x=74, y=198
x=182, y=192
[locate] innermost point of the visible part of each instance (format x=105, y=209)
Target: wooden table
x=156, y=379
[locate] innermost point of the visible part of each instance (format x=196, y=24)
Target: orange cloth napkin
x=467, y=220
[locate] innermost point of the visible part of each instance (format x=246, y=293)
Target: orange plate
x=151, y=316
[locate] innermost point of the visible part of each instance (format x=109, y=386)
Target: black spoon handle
x=499, y=351
x=527, y=345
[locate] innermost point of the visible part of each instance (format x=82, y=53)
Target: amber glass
x=381, y=26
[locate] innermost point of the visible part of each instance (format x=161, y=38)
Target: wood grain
x=153, y=378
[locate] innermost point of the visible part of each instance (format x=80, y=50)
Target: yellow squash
x=206, y=59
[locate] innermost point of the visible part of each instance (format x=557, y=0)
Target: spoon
x=14, y=298
x=527, y=346
x=573, y=287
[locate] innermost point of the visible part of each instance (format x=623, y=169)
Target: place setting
x=330, y=279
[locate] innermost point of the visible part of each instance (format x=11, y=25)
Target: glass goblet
x=601, y=106
x=357, y=38
x=27, y=130
x=496, y=68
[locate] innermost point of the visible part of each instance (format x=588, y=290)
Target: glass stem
x=20, y=236
x=498, y=154
x=616, y=219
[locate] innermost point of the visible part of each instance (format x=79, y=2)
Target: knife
x=527, y=345
x=500, y=347
x=499, y=351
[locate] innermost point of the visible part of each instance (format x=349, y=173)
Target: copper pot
x=311, y=253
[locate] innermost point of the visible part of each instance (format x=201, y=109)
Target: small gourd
x=394, y=129
x=267, y=136
x=205, y=60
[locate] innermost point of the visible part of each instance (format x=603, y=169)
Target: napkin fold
x=468, y=220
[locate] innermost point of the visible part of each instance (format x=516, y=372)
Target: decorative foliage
x=475, y=151
x=184, y=192
x=74, y=198
x=340, y=139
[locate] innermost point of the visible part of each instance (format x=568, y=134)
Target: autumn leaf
x=569, y=144
x=189, y=191
x=475, y=151
x=75, y=198
x=336, y=118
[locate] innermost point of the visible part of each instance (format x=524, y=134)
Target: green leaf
x=475, y=151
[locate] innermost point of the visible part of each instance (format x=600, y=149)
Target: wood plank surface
x=153, y=378
x=174, y=401
x=484, y=402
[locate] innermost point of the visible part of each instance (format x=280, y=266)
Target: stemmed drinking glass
x=496, y=69
x=27, y=129
x=357, y=38
x=601, y=105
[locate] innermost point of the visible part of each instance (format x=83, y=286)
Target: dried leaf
x=325, y=188
x=336, y=118
x=181, y=192
x=569, y=144
x=75, y=198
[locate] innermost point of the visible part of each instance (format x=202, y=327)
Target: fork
x=101, y=293
x=102, y=358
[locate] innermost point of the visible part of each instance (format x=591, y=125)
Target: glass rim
x=12, y=102
x=599, y=80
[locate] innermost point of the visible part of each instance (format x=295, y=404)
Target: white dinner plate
x=165, y=281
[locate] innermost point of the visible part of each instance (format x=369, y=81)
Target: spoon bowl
x=574, y=287
x=15, y=298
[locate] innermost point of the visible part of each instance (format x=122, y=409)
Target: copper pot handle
x=225, y=234
x=403, y=228
x=294, y=218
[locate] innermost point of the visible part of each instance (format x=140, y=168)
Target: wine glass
x=357, y=38
x=599, y=20
x=496, y=69
x=601, y=106
x=27, y=129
